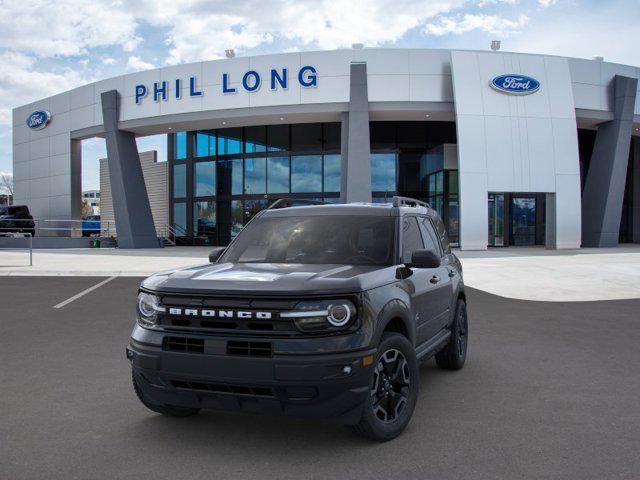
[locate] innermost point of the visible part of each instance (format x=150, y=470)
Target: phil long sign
x=515, y=84
x=251, y=81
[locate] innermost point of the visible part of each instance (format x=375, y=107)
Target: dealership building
x=510, y=149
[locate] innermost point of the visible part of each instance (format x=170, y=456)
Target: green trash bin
x=95, y=243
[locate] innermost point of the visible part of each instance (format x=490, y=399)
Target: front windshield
x=326, y=239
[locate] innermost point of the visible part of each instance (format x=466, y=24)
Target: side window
x=411, y=239
x=430, y=239
x=442, y=233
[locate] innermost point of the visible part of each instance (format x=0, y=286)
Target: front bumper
x=322, y=385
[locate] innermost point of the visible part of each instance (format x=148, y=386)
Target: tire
x=393, y=390
x=170, y=410
x=454, y=354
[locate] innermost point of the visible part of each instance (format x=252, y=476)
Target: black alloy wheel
x=454, y=354
x=393, y=390
x=390, y=389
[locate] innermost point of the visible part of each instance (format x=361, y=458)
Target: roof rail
x=408, y=202
x=290, y=202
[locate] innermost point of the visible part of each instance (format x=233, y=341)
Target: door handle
x=435, y=279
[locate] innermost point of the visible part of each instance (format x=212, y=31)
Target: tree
x=86, y=209
x=6, y=185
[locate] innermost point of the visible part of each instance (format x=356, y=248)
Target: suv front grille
x=183, y=344
x=249, y=349
x=230, y=324
x=223, y=388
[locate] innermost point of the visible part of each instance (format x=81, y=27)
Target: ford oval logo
x=515, y=84
x=38, y=119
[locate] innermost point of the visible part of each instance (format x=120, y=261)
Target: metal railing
x=20, y=235
x=56, y=228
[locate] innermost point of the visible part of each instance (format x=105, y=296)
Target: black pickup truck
x=316, y=311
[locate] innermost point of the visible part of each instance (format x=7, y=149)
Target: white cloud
x=547, y=3
x=135, y=64
x=325, y=24
x=66, y=27
x=493, y=24
x=20, y=83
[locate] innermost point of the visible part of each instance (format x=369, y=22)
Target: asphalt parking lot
x=550, y=390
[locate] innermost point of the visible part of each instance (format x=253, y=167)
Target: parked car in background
x=91, y=225
x=16, y=219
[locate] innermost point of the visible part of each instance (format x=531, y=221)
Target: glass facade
x=222, y=178
x=407, y=158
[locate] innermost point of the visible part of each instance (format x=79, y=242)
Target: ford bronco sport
x=317, y=311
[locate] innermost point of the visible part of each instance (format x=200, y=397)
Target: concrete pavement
x=550, y=390
x=522, y=273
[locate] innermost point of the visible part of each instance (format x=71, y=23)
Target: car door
x=441, y=278
x=422, y=290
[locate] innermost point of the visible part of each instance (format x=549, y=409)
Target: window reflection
x=383, y=172
x=306, y=173
x=204, y=218
x=255, y=175
x=229, y=141
x=252, y=207
x=230, y=177
x=180, y=146
x=255, y=139
x=332, y=173
x=180, y=218
x=205, y=144
x=180, y=180
x=237, y=217
x=204, y=184
x=278, y=175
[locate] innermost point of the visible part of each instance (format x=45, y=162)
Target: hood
x=270, y=278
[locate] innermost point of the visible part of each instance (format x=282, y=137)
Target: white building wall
x=509, y=143
x=506, y=143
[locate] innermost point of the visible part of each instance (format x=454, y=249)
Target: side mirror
x=425, y=259
x=214, y=255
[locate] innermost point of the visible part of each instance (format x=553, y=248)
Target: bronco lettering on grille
x=192, y=312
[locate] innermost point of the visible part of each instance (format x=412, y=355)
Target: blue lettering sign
x=275, y=77
x=192, y=88
x=38, y=119
x=141, y=92
x=157, y=90
x=515, y=84
x=251, y=81
x=256, y=81
x=225, y=84
x=311, y=80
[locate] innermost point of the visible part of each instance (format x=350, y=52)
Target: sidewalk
x=555, y=275
x=522, y=273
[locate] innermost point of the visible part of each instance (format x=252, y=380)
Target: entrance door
x=523, y=220
x=496, y=220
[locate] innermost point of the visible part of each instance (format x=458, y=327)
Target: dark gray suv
x=316, y=311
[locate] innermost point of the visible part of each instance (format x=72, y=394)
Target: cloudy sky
x=51, y=46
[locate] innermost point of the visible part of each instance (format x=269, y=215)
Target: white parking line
x=84, y=292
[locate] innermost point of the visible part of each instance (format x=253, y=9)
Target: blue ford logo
x=515, y=84
x=38, y=119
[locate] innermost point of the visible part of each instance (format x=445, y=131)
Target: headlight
x=322, y=316
x=148, y=308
